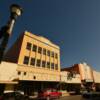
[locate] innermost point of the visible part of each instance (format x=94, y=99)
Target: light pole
x=6, y=30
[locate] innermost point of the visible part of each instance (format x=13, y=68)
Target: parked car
x=91, y=95
x=13, y=95
x=49, y=93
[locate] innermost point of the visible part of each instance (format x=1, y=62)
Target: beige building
x=36, y=59
x=68, y=79
x=83, y=74
x=83, y=69
x=86, y=72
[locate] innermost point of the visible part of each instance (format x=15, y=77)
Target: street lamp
x=6, y=30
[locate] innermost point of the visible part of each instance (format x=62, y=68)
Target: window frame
x=27, y=60
x=32, y=62
x=56, y=55
x=56, y=66
x=29, y=46
x=52, y=66
x=48, y=65
x=48, y=53
x=52, y=54
x=44, y=51
x=34, y=48
x=40, y=50
x=43, y=63
x=38, y=64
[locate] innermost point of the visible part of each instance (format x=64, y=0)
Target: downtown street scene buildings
x=32, y=63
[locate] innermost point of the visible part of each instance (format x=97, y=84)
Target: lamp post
x=6, y=30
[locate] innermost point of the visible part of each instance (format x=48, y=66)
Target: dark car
x=91, y=95
x=48, y=94
x=13, y=95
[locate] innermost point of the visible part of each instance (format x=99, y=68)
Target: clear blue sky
x=74, y=25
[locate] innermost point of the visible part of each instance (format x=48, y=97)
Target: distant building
x=85, y=73
x=96, y=75
x=37, y=60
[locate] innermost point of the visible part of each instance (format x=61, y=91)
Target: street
x=77, y=97
x=74, y=97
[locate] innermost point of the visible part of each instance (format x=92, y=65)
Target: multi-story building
x=37, y=59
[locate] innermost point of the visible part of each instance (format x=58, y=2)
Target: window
x=48, y=52
x=28, y=47
x=48, y=64
x=19, y=73
x=32, y=61
x=56, y=66
x=43, y=63
x=52, y=65
x=34, y=48
x=56, y=55
x=44, y=51
x=24, y=73
x=34, y=77
x=26, y=60
x=39, y=50
x=38, y=62
x=52, y=54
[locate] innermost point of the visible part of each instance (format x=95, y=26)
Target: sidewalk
x=65, y=93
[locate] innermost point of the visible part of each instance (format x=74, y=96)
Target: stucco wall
x=7, y=71
x=96, y=76
x=66, y=79
x=85, y=72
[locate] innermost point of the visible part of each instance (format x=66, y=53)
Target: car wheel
x=48, y=98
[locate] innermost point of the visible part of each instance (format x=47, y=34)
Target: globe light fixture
x=16, y=10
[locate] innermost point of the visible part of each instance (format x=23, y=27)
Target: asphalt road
x=74, y=97
x=77, y=97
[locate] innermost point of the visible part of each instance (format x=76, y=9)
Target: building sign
x=89, y=80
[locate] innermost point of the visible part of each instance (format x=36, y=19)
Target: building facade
x=89, y=78
x=37, y=60
x=33, y=63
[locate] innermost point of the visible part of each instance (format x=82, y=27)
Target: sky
x=74, y=25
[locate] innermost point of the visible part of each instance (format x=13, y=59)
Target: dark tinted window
x=43, y=63
x=48, y=64
x=39, y=50
x=56, y=66
x=48, y=52
x=56, y=55
x=34, y=48
x=44, y=51
x=24, y=73
x=26, y=60
x=52, y=54
x=32, y=61
x=28, y=46
x=38, y=62
x=19, y=73
x=52, y=65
